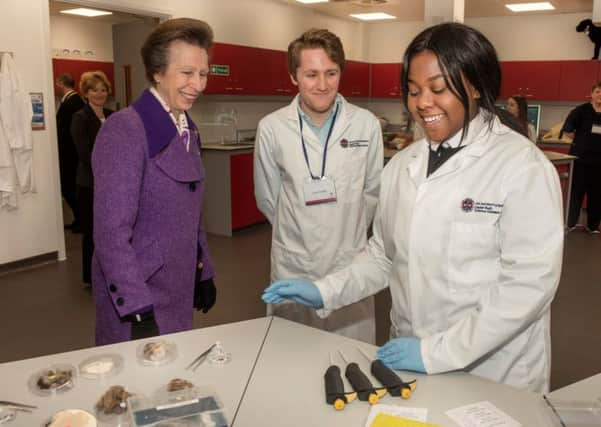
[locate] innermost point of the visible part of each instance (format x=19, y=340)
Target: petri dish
x=72, y=418
x=156, y=352
x=55, y=379
x=102, y=366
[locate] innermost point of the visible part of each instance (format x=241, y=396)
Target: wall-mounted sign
x=220, y=70
x=37, y=105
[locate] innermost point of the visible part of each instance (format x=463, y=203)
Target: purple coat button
x=120, y=301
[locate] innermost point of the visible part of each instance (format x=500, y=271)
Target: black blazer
x=84, y=128
x=64, y=116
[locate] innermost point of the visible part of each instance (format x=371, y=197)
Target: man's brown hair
x=315, y=39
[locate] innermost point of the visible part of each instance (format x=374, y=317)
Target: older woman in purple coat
x=151, y=264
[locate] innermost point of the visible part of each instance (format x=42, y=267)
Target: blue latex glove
x=403, y=354
x=297, y=290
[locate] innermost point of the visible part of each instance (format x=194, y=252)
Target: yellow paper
x=386, y=420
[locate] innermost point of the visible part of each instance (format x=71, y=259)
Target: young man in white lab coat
x=317, y=177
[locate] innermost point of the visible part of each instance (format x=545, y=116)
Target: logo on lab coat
x=467, y=205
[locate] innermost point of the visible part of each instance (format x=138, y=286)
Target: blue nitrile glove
x=297, y=290
x=403, y=354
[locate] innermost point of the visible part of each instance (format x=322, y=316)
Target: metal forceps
x=198, y=361
x=17, y=406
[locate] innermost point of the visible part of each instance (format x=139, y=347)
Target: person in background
x=317, y=172
x=518, y=106
x=151, y=265
x=583, y=125
x=95, y=88
x=70, y=103
x=471, y=273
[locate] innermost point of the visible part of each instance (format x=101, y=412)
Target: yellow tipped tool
x=389, y=379
x=335, y=394
x=360, y=383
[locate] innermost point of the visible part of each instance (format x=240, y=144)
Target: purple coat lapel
x=165, y=143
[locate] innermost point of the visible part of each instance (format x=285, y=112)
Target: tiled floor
x=47, y=310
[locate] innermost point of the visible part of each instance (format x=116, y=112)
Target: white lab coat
x=16, y=113
x=472, y=255
x=8, y=176
x=312, y=241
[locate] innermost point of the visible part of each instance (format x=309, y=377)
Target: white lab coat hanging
x=16, y=113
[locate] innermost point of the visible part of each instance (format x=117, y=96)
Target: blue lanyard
x=325, y=149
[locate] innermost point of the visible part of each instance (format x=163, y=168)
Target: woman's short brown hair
x=315, y=39
x=155, y=51
x=90, y=79
x=596, y=85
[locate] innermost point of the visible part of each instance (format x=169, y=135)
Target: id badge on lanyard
x=596, y=129
x=318, y=189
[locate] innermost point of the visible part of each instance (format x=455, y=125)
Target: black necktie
x=437, y=157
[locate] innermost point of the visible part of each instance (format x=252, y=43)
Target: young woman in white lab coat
x=471, y=264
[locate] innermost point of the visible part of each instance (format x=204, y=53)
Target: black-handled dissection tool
x=360, y=383
x=388, y=378
x=335, y=394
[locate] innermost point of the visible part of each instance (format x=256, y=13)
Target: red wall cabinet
x=355, y=79
x=237, y=59
x=278, y=77
x=386, y=80
x=77, y=67
x=534, y=80
x=576, y=79
x=244, y=205
x=252, y=71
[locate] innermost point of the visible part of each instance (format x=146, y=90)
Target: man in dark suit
x=71, y=102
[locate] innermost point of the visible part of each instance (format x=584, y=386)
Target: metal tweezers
x=17, y=406
x=198, y=361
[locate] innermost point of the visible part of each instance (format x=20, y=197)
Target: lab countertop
x=275, y=378
x=227, y=147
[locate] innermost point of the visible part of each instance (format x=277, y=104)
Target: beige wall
x=534, y=37
x=82, y=34
x=34, y=228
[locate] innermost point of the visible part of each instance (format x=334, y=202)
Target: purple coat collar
x=160, y=129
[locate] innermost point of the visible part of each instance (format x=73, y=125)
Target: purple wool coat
x=148, y=229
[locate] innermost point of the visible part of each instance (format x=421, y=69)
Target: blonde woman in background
x=95, y=88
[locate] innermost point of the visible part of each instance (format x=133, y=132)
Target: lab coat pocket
x=353, y=173
x=472, y=262
x=150, y=259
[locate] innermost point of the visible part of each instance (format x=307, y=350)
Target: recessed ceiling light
x=312, y=1
x=372, y=16
x=529, y=7
x=83, y=11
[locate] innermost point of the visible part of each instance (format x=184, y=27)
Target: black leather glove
x=205, y=295
x=143, y=325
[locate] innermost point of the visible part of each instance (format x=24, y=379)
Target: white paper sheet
x=481, y=414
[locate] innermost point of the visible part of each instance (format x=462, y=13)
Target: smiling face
x=512, y=107
x=431, y=103
x=317, y=78
x=97, y=94
x=185, y=77
x=596, y=97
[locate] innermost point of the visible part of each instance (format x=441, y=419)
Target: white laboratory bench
x=275, y=378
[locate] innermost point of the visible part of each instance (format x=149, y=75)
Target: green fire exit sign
x=220, y=70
